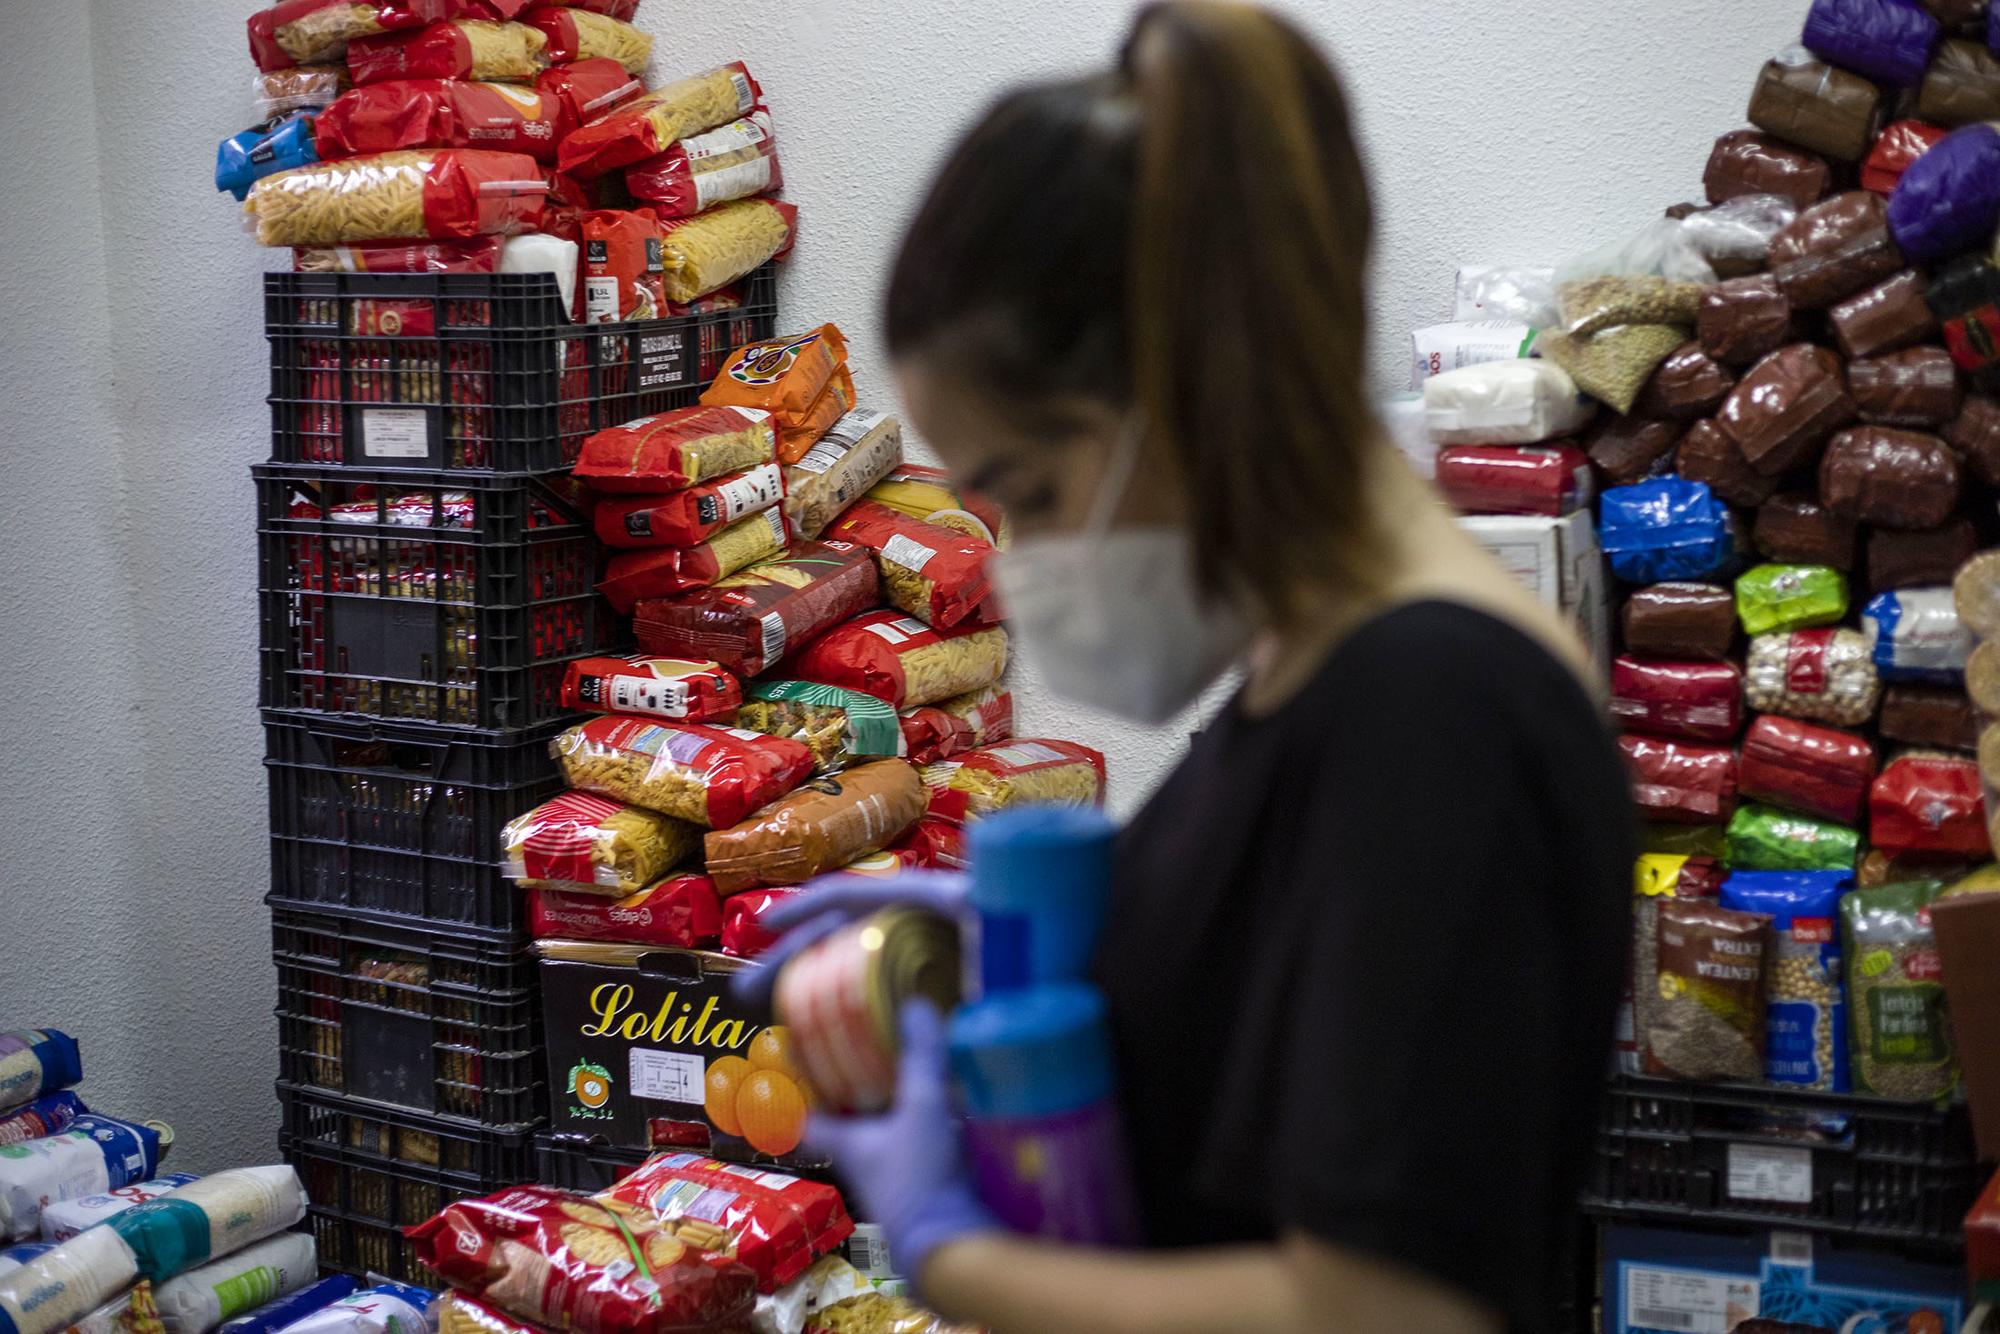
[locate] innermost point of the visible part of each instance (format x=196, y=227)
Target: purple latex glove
x=828, y=904
x=907, y=1167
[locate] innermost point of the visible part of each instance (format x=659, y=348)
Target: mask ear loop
x=1117, y=480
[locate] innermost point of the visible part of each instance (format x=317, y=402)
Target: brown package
x=1890, y=478
x=1707, y=454
x=1745, y=320
x=1975, y=434
x=1917, y=387
x=1679, y=621
x=1886, y=317
x=1937, y=716
x=1795, y=529
x=1968, y=940
x=1834, y=249
x=1815, y=105
x=1961, y=86
x=1689, y=384
x=822, y=827
x=1915, y=560
x=1708, y=1020
x=1630, y=449
x=1744, y=162
x=1784, y=409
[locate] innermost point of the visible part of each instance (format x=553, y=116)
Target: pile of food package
x=1782, y=405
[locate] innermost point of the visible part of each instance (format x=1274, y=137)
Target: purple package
x=1948, y=201
x=1076, y=1194
x=1890, y=40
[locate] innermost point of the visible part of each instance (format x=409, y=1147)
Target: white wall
x=132, y=858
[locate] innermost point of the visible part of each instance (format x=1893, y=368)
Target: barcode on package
x=908, y=553
x=1792, y=1248
x=773, y=627
x=741, y=82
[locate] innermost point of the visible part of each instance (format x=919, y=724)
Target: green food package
x=1764, y=838
x=1778, y=599
x=1683, y=840
x=840, y=727
x=1898, y=1034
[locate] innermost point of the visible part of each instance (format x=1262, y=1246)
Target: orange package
x=671, y=451
x=784, y=376
x=622, y=266
x=796, y=439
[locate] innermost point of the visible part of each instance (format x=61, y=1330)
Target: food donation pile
x=1783, y=404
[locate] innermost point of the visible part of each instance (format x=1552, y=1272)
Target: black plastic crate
x=1842, y=1165
x=583, y=1164
x=429, y=598
x=370, y=1171
x=420, y=1020
x=478, y=372
x=399, y=823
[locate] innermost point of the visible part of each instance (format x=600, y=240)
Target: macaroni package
x=679, y=690
x=713, y=249
x=751, y=619
x=586, y=90
x=934, y=843
x=585, y=843
x=797, y=436
x=936, y=574
x=650, y=125
x=822, y=827
x=783, y=376
x=841, y=727
x=685, y=518
x=675, y=450
x=744, y=935
x=776, y=1224
x=307, y=32
x=929, y=494
x=1017, y=773
x=903, y=661
x=859, y=451
x=735, y=161
x=951, y=727
x=663, y=571
x=462, y=49
x=713, y=776
x=438, y=193
x=438, y=113
x=681, y=911
x=621, y=266
x=571, y=34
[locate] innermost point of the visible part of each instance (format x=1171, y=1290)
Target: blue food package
x=386, y=1308
x=34, y=1061
x=277, y=145
x=1806, y=1019
x=1948, y=201
x=274, y=1316
x=97, y=1153
x=1915, y=636
x=1669, y=528
x=1890, y=40
x=50, y=1114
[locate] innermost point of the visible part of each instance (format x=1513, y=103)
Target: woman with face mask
x=1367, y=940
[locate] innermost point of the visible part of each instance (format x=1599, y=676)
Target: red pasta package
x=511, y=9
x=680, y=912
x=934, y=843
x=713, y=776
x=751, y=619
x=566, y=1262
x=937, y=575
x=744, y=935
x=694, y=515
x=310, y=32
x=929, y=494
x=734, y=161
x=585, y=90
x=939, y=731
x=1900, y=143
x=571, y=34
x=1804, y=767
x=474, y=254
x=778, y=1224
x=1514, y=479
x=1016, y=773
x=1680, y=781
x=437, y=113
x=679, y=690
x=903, y=662
x=674, y=450
x=651, y=124
x=439, y=193
x=622, y=266
x=1702, y=701
x=660, y=572
x=1930, y=804
x=461, y=49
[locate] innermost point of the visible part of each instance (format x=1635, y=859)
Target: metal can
x=840, y=997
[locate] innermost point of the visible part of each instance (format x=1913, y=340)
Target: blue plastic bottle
x=1041, y=884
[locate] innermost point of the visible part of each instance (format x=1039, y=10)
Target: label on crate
x=1681, y=1300
x=1764, y=1172
x=395, y=433
x=667, y=1076
x=663, y=360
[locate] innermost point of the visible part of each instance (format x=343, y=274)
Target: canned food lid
x=1032, y=1053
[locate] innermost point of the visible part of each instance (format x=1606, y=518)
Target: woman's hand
x=828, y=904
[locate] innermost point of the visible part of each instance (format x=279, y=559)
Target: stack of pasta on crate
x=472, y=293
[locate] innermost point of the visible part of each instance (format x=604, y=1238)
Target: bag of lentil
x=1899, y=1034
x=1806, y=1012
x=1705, y=1016
x=1763, y=838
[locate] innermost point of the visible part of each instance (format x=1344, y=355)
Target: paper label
x=735, y=181
x=395, y=433
x=600, y=300
x=907, y=552
x=760, y=488
x=1764, y=1172
x=667, y=1076
x=1696, y=1303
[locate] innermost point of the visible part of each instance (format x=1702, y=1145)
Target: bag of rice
x=438, y=113
x=840, y=727
x=713, y=776
x=778, y=1224
x=855, y=454
x=713, y=249
x=751, y=619
x=215, y=1216
x=929, y=494
x=461, y=49
x=59, y=1286
x=822, y=827
x=650, y=125
x=586, y=90
x=681, y=911
x=934, y=573
x=685, y=518
x=679, y=690
x=95, y=1154
x=1017, y=773
x=385, y=1308
x=440, y=193
x=63, y=1219
x=34, y=1061
x=951, y=727
x=587, y=844
x=571, y=34
x=735, y=161
x=660, y=572
x=674, y=450
x=274, y=1316
x=199, y=1300
x=307, y=32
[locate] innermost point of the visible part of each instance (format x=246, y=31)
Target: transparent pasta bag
x=1656, y=277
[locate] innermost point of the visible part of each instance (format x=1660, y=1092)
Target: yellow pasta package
x=650, y=125
x=712, y=250
x=588, y=844
x=1018, y=773
x=444, y=194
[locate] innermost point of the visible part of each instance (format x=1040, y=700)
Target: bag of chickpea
x=1805, y=1021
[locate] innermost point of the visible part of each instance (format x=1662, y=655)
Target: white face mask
x=1111, y=617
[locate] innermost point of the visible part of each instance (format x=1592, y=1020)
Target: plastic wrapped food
x=438, y=113
x=680, y=690
x=308, y=32
x=1807, y=1030
x=1975, y=434
x=751, y=619
x=687, y=518
x=1885, y=318
x=651, y=125
x=584, y=843
x=1705, y=1014
x=857, y=454
x=1781, y=598
x=930, y=494
x=1795, y=529
x=621, y=266
x=951, y=727
x=776, y=1224
x=1449, y=347
x=1890, y=478
x=1934, y=716
x=1016, y=773
x=383, y=1308
x=1702, y=701
x=217, y=1215
x=1680, y=620
x=1764, y=838
x=1807, y=768
x=1688, y=384
x=38, y=1118
x=1735, y=237
x=1911, y=560
x=734, y=161
x=566, y=1262
x=935, y=574
x=1518, y=402
x=901, y=660
x=439, y=193
x=207, y=1295
x=821, y=827
x=1962, y=85
x=1680, y=781
x=274, y=1316
x=34, y=1061
x=460, y=49
x=1836, y=248
x=1915, y=636
x=935, y=843
x=660, y=572
x=840, y=727
x=1917, y=387
x=1890, y=40
x=1975, y=594
x=1817, y=106
x=1613, y=366
x=1665, y=529
x=300, y=88
x=711, y=776
x=95, y=1154
x=680, y=911
x=744, y=935
x=1506, y=292
x=1948, y=202
x=783, y=376
x=1676, y=876
x=1900, y=143
x=1744, y=320
x=1593, y=302
x=1745, y=163
x=1966, y=299
x=63, y=1219
x=1899, y=1035
x=1929, y=804
x=570, y=34
x=879, y=1313
x=713, y=249
x=1709, y=456
x=1825, y=675
x=798, y=436
x=55, y=1288
x=675, y=450
x=264, y=150
x=1786, y=407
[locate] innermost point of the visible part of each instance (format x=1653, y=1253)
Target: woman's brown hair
x=1187, y=239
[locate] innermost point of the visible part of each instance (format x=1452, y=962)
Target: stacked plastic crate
x=426, y=572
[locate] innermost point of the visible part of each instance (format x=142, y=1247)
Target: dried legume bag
x=1806, y=1019
x=1763, y=838
x=1901, y=1043
x=1705, y=1016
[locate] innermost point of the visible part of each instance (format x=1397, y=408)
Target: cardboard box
x=1968, y=937
x=1667, y=1281
x=1560, y=562
x=647, y=1045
